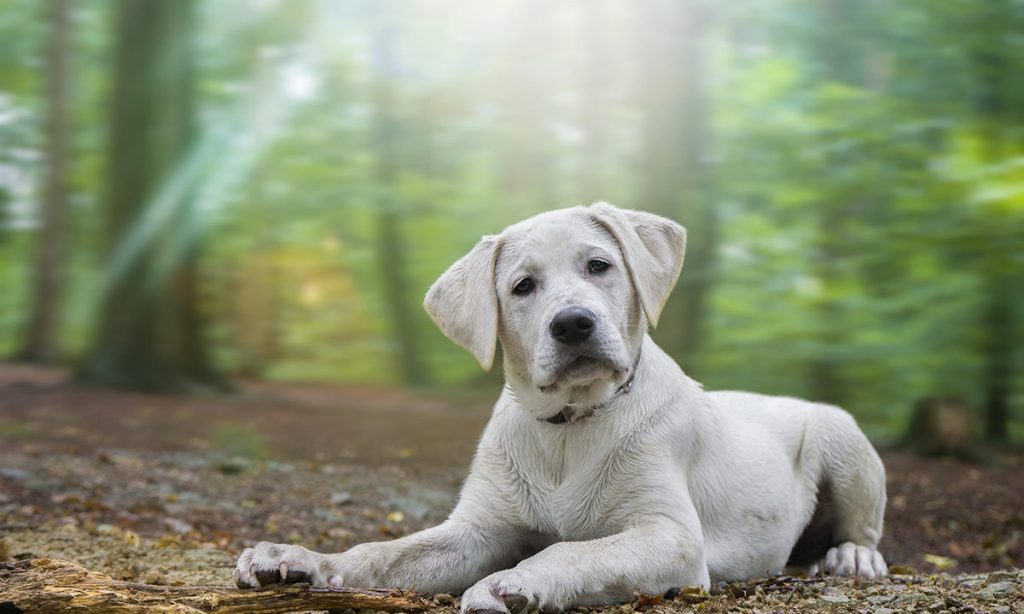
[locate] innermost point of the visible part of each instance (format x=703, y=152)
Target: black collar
x=563, y=416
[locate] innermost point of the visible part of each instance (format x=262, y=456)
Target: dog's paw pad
x=516, y=604
x=500, y=593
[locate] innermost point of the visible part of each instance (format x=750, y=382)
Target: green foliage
x=858, y=184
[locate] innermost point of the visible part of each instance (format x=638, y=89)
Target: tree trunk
x=149, y=326
x=390, y=243
x=675, y=182
x=940, y=427
x=40, y=344
x=998, y=377
x=999, y=107
x=53, y=586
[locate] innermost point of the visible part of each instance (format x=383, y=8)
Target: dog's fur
x=648, y=482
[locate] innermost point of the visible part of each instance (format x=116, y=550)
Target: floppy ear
x=652, y=247
x=464, y=304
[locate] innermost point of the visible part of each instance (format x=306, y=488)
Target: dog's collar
x=563, y=416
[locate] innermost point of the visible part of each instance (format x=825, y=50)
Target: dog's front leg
x=656, y=554
x=445, y=558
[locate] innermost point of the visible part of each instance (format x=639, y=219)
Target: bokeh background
x=194, y=194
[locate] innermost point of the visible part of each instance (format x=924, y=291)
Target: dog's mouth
x=582, y=366
x=579, y=371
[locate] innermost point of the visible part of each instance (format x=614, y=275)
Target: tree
x=148, y=332
x=390, y=243
x=40, y=343
x=674, y=176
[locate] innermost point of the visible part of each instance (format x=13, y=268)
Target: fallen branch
x=52, y=585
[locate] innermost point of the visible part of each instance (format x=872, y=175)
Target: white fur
x=662, y=486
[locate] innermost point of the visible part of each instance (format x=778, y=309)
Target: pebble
x=341, y=498
x=178, y=525
x=832, y=594
x=1002, y=576
x=14, y=473
x=835, y=598
x=996, y=589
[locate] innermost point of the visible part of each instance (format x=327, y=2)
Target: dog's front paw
x=849, y=559
x=500, y=593
x=269, y=563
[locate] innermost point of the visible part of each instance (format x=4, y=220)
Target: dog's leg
x=856, y=478
x=654, y=556
x=445, y=558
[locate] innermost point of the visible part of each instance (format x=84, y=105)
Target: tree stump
x=56, y=586
x=940, y=426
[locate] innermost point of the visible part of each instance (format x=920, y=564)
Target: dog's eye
x=597, y=266
x=524, y=287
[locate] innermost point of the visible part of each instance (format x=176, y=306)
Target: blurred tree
x=850, y=175
x=391, y=245
x=673, y=171
x=996, y=58
x=40, y=343
x=148, y=333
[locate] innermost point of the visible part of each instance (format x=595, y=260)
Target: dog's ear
x=464, y=304
x=652, y=247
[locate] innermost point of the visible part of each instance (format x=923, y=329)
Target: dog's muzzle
x=573, y=326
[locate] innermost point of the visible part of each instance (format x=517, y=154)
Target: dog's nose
x=573, y=325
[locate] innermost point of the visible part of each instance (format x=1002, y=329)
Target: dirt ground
x=168, y=490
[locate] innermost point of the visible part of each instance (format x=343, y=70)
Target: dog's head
x=568, y=293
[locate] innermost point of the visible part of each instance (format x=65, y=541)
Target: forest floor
x=169, y=489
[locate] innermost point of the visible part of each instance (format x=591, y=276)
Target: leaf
x=131, y=538
x=942, y=562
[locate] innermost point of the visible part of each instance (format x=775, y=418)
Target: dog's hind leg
x=854, y=490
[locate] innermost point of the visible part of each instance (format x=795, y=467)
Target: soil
x=169, y=489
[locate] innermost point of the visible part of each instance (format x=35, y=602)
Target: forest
x=195, y=192
x=219, y=218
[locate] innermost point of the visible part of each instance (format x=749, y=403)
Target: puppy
x=604, y=469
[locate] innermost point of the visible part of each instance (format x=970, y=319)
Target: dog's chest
x=574, y=478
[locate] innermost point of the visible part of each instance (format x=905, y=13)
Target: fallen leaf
x=942, y=562
x=131, y=538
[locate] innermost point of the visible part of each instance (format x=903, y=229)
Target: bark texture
x=51, y=585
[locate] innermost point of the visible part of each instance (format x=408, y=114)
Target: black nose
x=573, y=325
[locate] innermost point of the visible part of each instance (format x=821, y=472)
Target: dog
x=604, y=469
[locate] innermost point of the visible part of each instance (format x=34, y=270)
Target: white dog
x=604, y=469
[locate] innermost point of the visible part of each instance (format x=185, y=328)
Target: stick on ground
x=52, y=585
